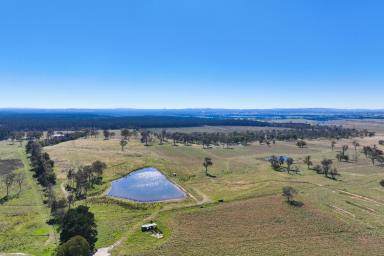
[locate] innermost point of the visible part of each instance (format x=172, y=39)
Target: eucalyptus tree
x=355, y=145
x=307, y=161
x=326, y=166
x=8, y=180
x=207, y=162
x=289, y=162
x=123, y=144
x=289, y=192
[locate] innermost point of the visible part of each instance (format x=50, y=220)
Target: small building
x=148, y=227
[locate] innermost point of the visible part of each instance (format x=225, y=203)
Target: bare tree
x=19, y=178
x=8, y=181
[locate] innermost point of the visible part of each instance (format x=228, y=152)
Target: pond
x=146, y=185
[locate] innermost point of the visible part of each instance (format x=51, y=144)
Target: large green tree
x=79, y=221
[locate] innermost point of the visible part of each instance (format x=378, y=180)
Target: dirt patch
x=9, y=165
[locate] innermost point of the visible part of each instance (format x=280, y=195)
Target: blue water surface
x=146, y=185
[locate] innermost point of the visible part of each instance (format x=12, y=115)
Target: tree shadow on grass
x=211, y=176
x=5, y=199
x=296, y=203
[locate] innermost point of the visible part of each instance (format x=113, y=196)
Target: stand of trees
x=374, y=154
x=277, y=163
x=326, y=168
x=86, y=177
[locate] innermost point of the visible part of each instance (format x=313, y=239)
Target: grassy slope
x=22, y=219
x=241, y=172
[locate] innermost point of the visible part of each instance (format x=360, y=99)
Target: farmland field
x=339, y=217
x=23, y=217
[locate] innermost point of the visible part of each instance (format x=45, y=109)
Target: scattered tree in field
x=373, y=153
x=301, y=143
x=308, y=162
x=275, y=162
x=8, y=180
x=207, y=162
x=333, y=144
x=355, y=145
x=344, y=149
x=326, y=166
x=342, y=156
x=289, y=193
x=79, y=221
x=76, y=246
x=19, y=178
x=123, y=143
x=289, y=163
x=334, y=173
x=107, y=134
x=145, y=137
x=318, y=168
x=125, y=133
x=382, y=183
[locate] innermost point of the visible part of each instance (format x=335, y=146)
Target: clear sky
x=192, y=53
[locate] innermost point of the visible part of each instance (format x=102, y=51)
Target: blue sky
x=192, y=53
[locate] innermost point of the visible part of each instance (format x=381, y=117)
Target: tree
x=344, y=149
x=289, y=193
x=145, y=137
x=125, y=133
x=333, y=144
x=123, y=143
x=382, y=183
x=301, y=143
x=355, y=145
x=275, y=162
x=8, y=181
x=97, y=168
x=207, y=162
x=19, y=178
x=289, y=163
x=334, y=173
x=76, y=246
x=79, y=221
x=107, y=134
x=307, y=161
x=326, y=165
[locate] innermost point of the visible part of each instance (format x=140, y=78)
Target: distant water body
x=146, y=185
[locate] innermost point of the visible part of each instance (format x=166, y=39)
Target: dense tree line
x=43, y=122
x=42, y=165
x=263, y=136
